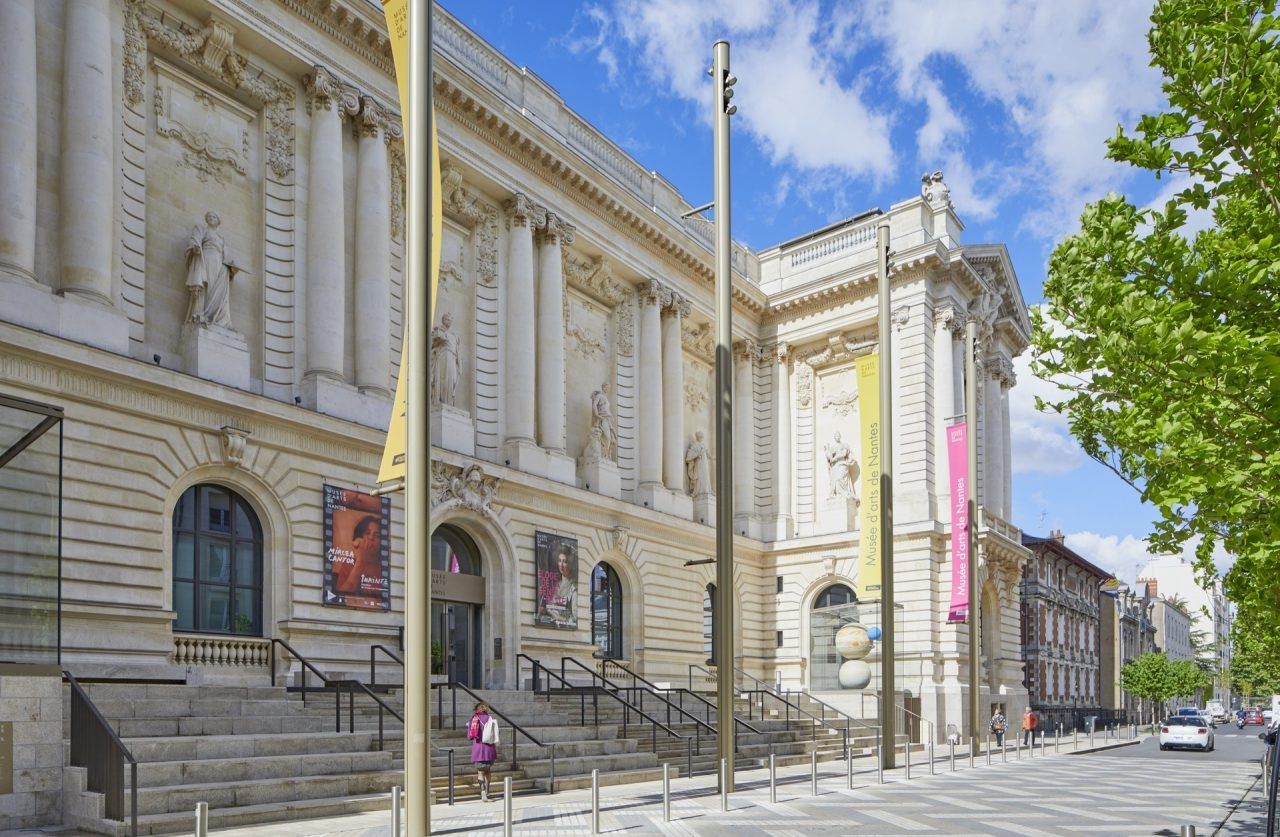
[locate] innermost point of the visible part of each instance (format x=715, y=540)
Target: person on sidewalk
x=482, y=732
x=998, y=725
x=1029, y=722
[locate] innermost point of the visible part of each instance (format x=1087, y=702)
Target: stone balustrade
x=208, y=650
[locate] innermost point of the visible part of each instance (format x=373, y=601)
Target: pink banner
x=958, y=459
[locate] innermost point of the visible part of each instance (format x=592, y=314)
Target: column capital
x=653, y=292
x=746, y=350
x=322, y=89
x=947, y=318
x=521, y=212
x=781, y=352
x=676, y=305
x=371, y=119
x=901, y=316
x=555, y=230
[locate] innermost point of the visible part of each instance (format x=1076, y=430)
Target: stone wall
x=32, y=703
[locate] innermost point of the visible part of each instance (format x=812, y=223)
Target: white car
x=1182, y=731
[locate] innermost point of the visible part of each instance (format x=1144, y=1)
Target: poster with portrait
x=357, y=549
x=556, y=560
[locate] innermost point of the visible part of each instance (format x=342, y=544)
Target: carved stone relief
x=212, y=130
x=234, y=442
x=468, y=488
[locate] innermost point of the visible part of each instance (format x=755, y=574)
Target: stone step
x=606, y=764
x=178, y=822
x=236, y=794
x=167, y=691
x=255, y=725
x=192, y=706
x=196, y=747
x=619, y=777
x=204, y=771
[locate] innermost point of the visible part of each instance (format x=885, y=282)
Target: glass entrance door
x=457, y=630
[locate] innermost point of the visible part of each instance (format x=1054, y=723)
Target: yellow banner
x=868, y=372
x=397, y=13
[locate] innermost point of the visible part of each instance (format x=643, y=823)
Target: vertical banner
x=556, y=560
x=357, y=549
x=868, y=376
x=397, y=14
x=958, y=461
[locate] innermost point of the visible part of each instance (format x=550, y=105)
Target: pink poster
x=958, y=459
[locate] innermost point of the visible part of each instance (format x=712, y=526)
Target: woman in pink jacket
x=482, y=755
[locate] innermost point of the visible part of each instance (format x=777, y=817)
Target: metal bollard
x=451, y=776
x=1017, y=749
x=506, y=808
x=724, y=785
x=1057, y=741
x=1004, y=750
x=879, y=766
x=1187, y=831
x=848, y=773
x=988, y=749
x=773, y=778
x=396, y=805
x=907, y=748
x=202, y=819
x=1091, y=738
x=595, y=801
x=813, y=772
x=951, y=745
x=666, y=792
x=930, y=756
x=973, y=745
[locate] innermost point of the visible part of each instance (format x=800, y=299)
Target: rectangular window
x=779, y=633
x=779, y=581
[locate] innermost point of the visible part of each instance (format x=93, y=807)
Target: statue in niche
x=603, y=435
x=697, y=465
x=445, y=365
x=842, y=468
x=209, y=273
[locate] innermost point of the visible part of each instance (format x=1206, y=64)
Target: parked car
x=1186, y=732
x=1253, y=716
x=1196, y=712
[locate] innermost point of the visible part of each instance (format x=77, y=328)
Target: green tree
x=1255, y=661
x=1187, y=679
x=1151, y=677
x=1165, y=342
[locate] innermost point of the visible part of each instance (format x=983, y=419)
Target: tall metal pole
x=888, y=700
x=723, y=633
x=971, y=453
x=417, y=536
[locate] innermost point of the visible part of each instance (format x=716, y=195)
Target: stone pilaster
x=551, y=370
x=1006, y=383
x=676, y=308
x=785, y=524
x=744, y=439
x=993, y=472
x=520, y=448
x=652, y=297
x=18, y=140
x=373, y=251
x=944, y=404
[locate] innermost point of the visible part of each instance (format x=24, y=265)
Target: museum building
x=201, y=244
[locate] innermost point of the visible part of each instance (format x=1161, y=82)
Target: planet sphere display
x=853, y=641
x=854, y=674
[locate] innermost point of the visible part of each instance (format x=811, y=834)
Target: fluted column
x=744, y=438
x=326, y=230
x=652, y=296
x=373, y=251
x=1007, y=438
x=782, y=407
x=18, y=139
x=994, y=436
x=551, y=375
x=88, y=151
x=521, y=341
x=944, y=403
x=673, y=312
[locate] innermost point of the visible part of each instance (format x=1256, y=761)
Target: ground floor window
x=606, y=611
x=217, y=563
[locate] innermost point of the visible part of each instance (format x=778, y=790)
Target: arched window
x=709, y=627
x=606, y=611
x=836, y=594
x=217, y=563
x=453, y=552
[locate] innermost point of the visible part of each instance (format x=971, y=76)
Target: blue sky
x=842, y=106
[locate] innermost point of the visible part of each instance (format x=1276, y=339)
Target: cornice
x=358, y=26
x=858, y=283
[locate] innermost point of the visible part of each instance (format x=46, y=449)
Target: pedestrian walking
x=998, y=725
x=482, y=732
x=1029, y=722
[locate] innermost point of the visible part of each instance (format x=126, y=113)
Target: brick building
x=1061, y=631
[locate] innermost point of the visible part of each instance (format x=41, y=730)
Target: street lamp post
x=888, y=692
x=971, y=454
x=723, y=634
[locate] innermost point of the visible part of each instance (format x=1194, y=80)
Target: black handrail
x=373, y=663
x=643, y=691
x=656, y=691
x=595, y=691
x=96, y=747
x=515, y=742
x=338, y=687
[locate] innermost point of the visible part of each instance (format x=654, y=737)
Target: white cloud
x=1041, y=441
x=1124, y=556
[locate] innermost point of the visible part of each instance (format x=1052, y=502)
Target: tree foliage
x=1165, y=342
x=1156, y=678
x=1255, y=662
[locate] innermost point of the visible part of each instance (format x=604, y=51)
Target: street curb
x=1130, y=743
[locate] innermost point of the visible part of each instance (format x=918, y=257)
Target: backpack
x=997, y=725
x=489, y=735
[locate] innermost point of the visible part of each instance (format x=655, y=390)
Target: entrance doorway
x=457, y=608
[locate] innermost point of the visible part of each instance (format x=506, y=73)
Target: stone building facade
x=1061, y=631
x=1127, y=632
x=1171, y=576
x=200, y=253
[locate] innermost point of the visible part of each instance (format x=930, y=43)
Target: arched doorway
x=217, y=563
x=834, y=607
x=606, y=611
x=457, y=603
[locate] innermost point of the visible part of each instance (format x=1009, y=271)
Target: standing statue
x=602, y=422
x=843, y=468
x=445, y=366
x=209, y=273
x=697, y=466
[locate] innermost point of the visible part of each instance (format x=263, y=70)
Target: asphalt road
x=1230, y=745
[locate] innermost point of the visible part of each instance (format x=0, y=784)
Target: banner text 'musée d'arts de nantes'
x=397, y=14
x=868, y=377
x=958, y=460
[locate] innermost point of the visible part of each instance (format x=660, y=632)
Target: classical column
x=782, y=408
x=88, y=151
x=1006, y=382
x=744, y=437
x=994, y=436
x=326, y=231
x=944, y=403
x=652, y=296
x=373, y=251
x=551, y=380
x=521, y=341
x=18, y=139
x=673, y=440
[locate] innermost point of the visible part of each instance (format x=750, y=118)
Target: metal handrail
x=655, y=690
x=515, y=742
x=373, y=671
x=338, y=686
x=595, y=691
x=642, y=690
x=105, y=770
